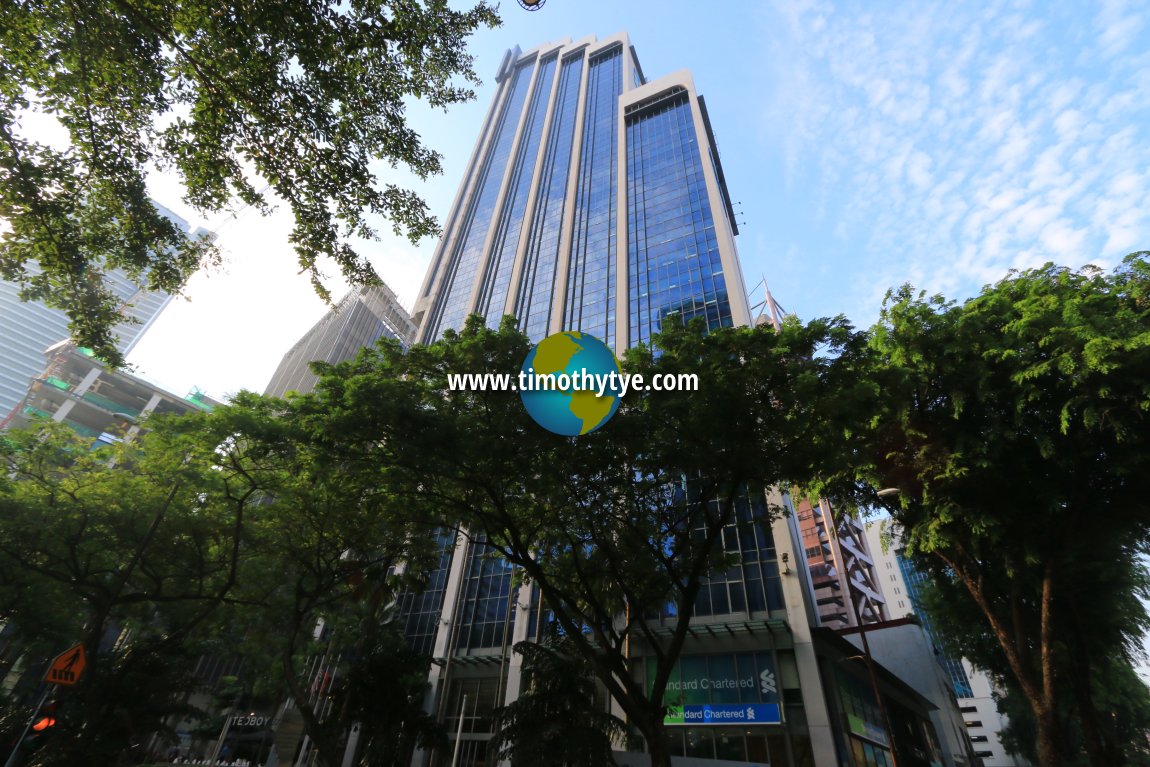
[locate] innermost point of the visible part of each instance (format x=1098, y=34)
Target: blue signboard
x=722, y=688
x=724, y=713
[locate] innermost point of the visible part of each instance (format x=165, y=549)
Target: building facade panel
x=537, y=282
x=672, y=249
x=453, y=303
x=597, y=204
x=590, y=299
x=360, y=319
x=497, y=281
x=28, y=328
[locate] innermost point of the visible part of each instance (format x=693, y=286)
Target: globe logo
x=565, y=375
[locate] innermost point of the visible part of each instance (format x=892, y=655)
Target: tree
x=298, y=98
x=1014, y=428
x=320, y=550
x=612, y=528
x=391, y=726
x=128, y=549
x=559, y=718
x=1111, y=721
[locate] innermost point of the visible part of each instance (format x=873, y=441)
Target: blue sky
x=869, y=144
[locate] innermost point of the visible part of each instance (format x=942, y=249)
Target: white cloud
x=951, y=144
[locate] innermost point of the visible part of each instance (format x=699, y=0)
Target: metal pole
x=867, y=657
x=31, y=720
x=878, y=695
x=224, y=731
x=459, y=732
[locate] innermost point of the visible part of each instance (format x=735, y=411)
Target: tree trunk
x=326, y=747
x=1040, y=693
x=1046, y=741
x=655, y=735
x=1049, y=743
x=1100, y=747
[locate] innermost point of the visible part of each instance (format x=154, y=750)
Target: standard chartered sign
x=729, y=688
x=720, y=713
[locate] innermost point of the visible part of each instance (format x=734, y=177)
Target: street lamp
x=531, y=5
x=867, y=657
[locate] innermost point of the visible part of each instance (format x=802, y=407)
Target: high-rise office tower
x=595, y=201
x=27, y=329
x=361, y=318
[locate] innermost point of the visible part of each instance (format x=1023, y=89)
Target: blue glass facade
x=913, y=577
x=420, y=610
x=591, y=271
x=672, y=249
x=486, y=610
x=493, y=297
x=537, y=285
x=751, y=585
x=548, y=239
x=455, y=295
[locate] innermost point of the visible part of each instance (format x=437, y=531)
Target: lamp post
x=868, y=659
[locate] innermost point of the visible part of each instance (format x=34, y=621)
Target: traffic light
x=44, y=725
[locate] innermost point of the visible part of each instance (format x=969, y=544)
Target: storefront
x=740, y=707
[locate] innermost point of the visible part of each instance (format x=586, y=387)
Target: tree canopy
x=1014, y=427
x=300, y=99
x=615, y=527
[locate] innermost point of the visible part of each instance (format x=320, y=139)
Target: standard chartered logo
x=588, y=383
x=767, y=682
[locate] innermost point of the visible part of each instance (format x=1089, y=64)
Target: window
x=974, y=723
x=979, y=739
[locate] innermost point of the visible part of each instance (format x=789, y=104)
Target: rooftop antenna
x=769, y=310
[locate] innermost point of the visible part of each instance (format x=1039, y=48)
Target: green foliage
x=128, y=550
x=320, y=545
x=300, y=98
x=1013, y=426
x=559, y=719
x=1089, y=646
x=621, y=522
x=384, y=693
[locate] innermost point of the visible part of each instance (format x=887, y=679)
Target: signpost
x=65, y=670
x=68, y=666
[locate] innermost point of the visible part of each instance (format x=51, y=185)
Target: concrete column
x=800, y=616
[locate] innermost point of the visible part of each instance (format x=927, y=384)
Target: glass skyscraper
x=28, y=328
x=595, y=201
x=361, y=318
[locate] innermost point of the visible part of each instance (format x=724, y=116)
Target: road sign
x=68, y=666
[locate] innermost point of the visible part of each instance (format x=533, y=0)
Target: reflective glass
x=452, y=306
x=590, y=300
x=673, y=252
x=493, y=297
x=536, y=286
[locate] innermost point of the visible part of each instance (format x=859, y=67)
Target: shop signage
x=722, y=688
x=724, y=713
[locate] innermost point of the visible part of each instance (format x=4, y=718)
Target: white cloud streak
x=945, y=144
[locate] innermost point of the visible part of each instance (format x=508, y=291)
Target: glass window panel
x=700, y=743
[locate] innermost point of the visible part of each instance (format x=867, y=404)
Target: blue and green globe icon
x=587, y=367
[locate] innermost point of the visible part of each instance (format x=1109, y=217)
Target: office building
x=27, y=328
x=106, y=405
x=840, y=565
x=595, y=201
x=900, y=580
x=361, y=318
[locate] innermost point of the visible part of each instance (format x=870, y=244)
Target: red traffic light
x=44, y=723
